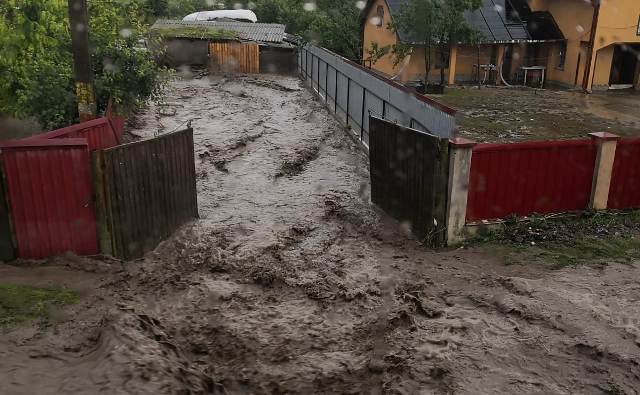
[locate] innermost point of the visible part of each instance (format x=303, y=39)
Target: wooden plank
x=102, y=216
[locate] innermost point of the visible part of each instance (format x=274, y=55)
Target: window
x=562, y=55
x=380, y=14
x=638, y=29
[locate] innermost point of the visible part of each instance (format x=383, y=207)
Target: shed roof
x=490, y=20
x=259, y=32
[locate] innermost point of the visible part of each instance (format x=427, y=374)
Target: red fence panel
x=527, y=178
x=50, y=196
x=100, y=133
x=625, y=178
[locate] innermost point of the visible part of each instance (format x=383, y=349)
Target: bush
x=36, y=69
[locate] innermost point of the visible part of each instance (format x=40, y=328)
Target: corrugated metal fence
x=145, y=191
x=100, y=133
x=409, y=177
x=231, y=56
x=624, y=191
x=51, y=196
x=526, y=178
x=353, y=93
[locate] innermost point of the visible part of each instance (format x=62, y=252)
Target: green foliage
x=36, y=66
x=439, y=23
x=333, y=24
x=20, y=303
x=124, y=68
x=399, y=52
x=195, y=32
x=375, y=52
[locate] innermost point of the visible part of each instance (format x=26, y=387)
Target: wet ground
x=498, y=114
x=292, y=282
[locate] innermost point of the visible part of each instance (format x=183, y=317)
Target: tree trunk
x=478, y=68
x=79, y=27
x=444, y=50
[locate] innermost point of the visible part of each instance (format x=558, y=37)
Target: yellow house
x=524, y=35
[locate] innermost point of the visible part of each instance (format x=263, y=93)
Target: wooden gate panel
x=409, y=175
x=235, y=57
x=149, y=190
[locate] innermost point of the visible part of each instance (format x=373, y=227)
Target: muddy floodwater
x=293, y=282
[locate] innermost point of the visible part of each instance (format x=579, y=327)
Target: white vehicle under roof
x=238, y=15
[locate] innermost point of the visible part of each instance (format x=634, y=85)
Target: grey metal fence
x=353, y=93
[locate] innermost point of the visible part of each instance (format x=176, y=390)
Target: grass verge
x=21, y=303
x=586, y=238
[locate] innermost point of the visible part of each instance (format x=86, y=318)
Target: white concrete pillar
x=460, y=151
x=606, y=145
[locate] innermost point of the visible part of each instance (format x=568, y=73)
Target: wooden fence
x=145, y=191
x=409, y=176
x=231, y=56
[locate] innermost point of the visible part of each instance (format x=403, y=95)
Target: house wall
x=617, y=23
x=381, y=35
x=574, y=18
x=467, y=58
x=602, y=67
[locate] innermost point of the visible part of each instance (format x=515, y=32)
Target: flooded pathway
x=292, y=282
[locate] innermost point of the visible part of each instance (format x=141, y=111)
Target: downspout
x=592, y=40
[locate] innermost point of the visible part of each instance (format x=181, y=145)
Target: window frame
x=380, y=15
x=562, y=56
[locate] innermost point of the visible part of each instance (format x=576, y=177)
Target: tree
x=436, y=23
x=36, y=72
x=333, y=24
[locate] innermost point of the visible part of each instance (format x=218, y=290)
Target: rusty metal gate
x=231, y=56
x=409, y=176
x=50, y=196
x=145, y=191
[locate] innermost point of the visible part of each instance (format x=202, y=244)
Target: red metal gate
x=50, y=196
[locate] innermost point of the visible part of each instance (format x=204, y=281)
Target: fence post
x=103, y=214
x=606, y=145
x=460, y=152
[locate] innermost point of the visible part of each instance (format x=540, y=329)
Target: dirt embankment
x=292, y=282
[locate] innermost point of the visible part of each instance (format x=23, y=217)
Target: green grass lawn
x=588, y=238
x=20, y=303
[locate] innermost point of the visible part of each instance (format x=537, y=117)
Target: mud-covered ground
x=292, y=282
x=498, y=114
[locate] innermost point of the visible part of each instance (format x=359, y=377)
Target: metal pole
x=79, y=23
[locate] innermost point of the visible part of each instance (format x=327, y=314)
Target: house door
x=623, y=66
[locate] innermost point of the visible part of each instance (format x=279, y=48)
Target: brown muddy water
x=292, y=282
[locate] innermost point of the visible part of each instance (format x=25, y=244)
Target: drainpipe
x=592, y=40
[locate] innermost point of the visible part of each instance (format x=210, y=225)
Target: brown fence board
x=150, y=190
x=231, y=56
x=409, y=175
